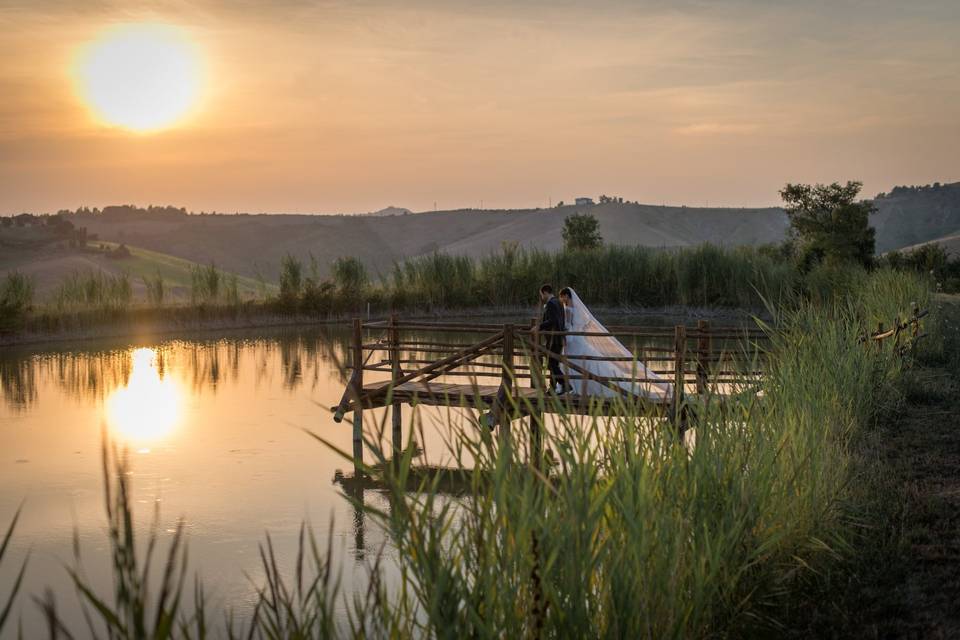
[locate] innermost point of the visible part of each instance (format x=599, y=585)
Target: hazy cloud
x=350, y=105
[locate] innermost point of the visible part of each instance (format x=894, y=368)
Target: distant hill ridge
x=913, y=215
x=255, y=244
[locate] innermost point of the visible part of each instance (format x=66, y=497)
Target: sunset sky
x=353, y=106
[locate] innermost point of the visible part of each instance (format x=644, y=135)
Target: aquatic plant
x=93, y=290
x=14, y=589
x=16, y=298
x=155, y=288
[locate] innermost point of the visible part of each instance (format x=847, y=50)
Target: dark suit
x=553, y=319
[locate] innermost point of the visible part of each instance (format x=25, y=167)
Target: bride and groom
x=564, y=320
x=567, y=313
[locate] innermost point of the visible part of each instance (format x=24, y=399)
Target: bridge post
x=704, y=349
x=357, y=380
x=506, y=384
x=395, y=373
x=536, y=363
x=680, y=356
x=537, y=404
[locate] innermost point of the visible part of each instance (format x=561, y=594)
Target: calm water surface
x=214, y=428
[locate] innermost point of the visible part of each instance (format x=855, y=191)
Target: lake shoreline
x=148, y=323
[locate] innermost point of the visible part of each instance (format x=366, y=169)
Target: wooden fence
x=500, y=368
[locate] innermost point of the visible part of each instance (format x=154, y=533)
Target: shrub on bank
x=93, y=290
x=16, y=299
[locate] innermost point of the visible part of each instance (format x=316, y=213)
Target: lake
x=214, y=429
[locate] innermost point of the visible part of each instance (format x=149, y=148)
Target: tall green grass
x=623, y=530
x=156, y=289
x=6, y=605
x=94, y=290
x=16, y=298
x=610, y=276
x=613, y=275
x=210, y=286
x=627, y=532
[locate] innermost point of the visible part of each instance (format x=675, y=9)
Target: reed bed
x=210, y=286
x=156, y=289
x=93, y=290
x=614, y=275
x=625, y=531
x=16, y=299
x=614, y=527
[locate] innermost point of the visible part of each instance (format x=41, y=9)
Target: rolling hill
x=913, y=215
x=950, y=244
x=254, y=245
x=48, y=265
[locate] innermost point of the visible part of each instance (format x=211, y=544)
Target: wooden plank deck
x=483, y=396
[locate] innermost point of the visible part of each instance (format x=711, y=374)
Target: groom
x=552, y=319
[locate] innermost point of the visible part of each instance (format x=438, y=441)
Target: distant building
x=582, y=202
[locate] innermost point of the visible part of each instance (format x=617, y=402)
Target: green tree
x=581, y=231
x=828, y=223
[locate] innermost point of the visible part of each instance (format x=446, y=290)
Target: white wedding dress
x=579, y=319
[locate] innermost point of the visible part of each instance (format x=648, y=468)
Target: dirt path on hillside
x=918, y=594
x=902, y=579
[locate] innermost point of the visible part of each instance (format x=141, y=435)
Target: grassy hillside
x=254, y=245
x=248, y=244
x=950, y=244
x=49, y=265
x=913, y=215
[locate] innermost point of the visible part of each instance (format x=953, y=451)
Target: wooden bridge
x=416, y=362
x=498, y=368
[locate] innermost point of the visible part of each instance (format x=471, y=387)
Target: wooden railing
x=906, y=333
x=694, y=359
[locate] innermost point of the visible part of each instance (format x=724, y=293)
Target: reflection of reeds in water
x=302, y=359
x=19, y=384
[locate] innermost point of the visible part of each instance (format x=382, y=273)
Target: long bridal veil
x=624, y=365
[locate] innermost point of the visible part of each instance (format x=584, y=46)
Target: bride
x=580, y=320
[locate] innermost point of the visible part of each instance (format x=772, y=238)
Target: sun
x=147, y=409
x=142, y=77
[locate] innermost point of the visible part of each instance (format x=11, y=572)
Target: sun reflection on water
x=147, y=409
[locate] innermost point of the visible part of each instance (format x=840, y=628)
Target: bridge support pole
x=357, y=380
x=396, y=410
x=539, y=399
x=505, y=410
x=680, y=356
x=704, y=347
